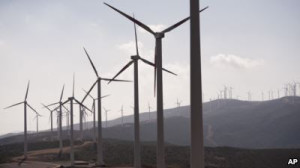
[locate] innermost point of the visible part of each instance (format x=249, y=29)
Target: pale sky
x=249, y=45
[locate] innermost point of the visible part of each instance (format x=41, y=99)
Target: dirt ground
x=32, y=160
x=29, y=164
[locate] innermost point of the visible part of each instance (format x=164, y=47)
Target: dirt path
x=33, y=155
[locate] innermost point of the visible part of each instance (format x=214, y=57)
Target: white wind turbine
x=25, y=119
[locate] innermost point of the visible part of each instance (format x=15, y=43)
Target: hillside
x=235, y=123
x=120, y=153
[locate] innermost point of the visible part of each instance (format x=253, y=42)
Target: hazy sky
x=249, y=45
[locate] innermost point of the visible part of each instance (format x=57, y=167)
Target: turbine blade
x=62, y=93
x=83, y=105
x=180, y=22
x=125, y=67
x=64, y=102
x=150, y=63
x=132, y=19
x=49, y=120
x=27, y=90
x=88, y=94
x=95, y=70
x=32, y=109
x=65, y=108
x=47, y=107
x=115, y=80
x=13, y=105
x=89, y=91
x=105, y=96
x=169, y=71
x=136, y=40
x=52, y=104
x=93, y=107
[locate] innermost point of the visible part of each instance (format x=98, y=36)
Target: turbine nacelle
x=159, y=35
x=135, y=57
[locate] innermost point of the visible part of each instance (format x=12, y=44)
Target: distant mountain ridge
x=227, y=122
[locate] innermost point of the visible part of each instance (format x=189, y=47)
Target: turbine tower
x=122, y=115
x=100, y=161
x=149, y=109
x=72, y=99
x=134, y=61
x=249, y=95
x=196, y=106
x=25, y=119
x=51, y=119
x=37, y=115
x=106, y=111
x=230, y=92
x=178, y=103
x=94, y=114
x=60, y=107
x=158, y=81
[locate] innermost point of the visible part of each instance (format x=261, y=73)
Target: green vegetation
x=120, y=153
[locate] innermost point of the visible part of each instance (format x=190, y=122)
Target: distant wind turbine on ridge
x=106, y=115
x=149, y=110
x=122, y=116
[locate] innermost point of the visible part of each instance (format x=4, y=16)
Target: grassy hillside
x=120, y=153
x=235, y=123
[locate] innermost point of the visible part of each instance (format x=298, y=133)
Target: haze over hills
x=227, y=122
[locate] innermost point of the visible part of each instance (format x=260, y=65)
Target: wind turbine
x=37, y=115
x=149, y=108
x=249, y=95
x=100, y=161
x=178, y=103
x=285, y=88
x=134, y=61
x=225, y=92
x=157, y=79
x=122, y=115
x=72, y=99
x=81, y=117
x=106, y=110
x=230, y=92
x=60, y=119
x=68, y=121
x=51, y=118
x=25, y=119
x=94, y=114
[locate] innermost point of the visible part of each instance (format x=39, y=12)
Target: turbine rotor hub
x=159, y=35
x=135, y=57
